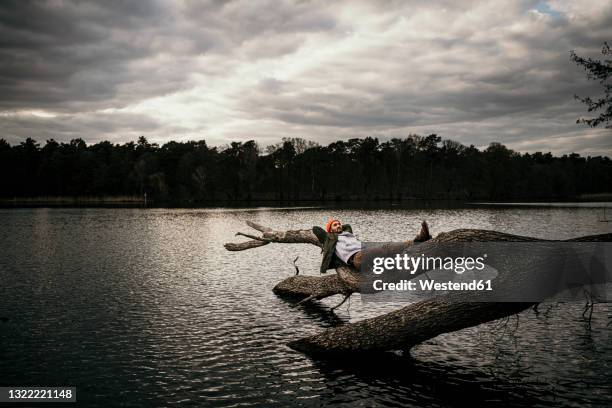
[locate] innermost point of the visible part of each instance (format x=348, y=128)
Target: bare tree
x=406, y=327
x=600, y=71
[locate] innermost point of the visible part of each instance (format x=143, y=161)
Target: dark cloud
x=57, y=55
x=474, y=71
x=63, y=55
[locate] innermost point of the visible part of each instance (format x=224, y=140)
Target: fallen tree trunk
x=404, y=328
x=417, y=322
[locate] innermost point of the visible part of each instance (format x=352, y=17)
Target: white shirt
x=347, y=245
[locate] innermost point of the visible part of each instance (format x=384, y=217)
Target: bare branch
x=297, y=270
x=258, y=227
x=341, y=303
x=270, y=235
x=242, y=246
x=252, y=237
x=306, y=299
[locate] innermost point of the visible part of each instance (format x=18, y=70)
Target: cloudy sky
x=472, y=71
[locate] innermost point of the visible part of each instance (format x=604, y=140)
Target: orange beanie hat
x=329, y=224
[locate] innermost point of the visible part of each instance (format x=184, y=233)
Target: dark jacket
x=329, y=241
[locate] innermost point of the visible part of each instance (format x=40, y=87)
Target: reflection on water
x=147, y=308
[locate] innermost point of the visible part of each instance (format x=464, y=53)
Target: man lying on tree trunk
x=341, y=246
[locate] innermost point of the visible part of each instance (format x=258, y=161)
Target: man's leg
x=356, y=260
x=422, y=236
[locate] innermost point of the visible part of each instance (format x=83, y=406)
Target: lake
x=144, y=307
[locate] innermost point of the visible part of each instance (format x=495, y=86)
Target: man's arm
x=320, y=233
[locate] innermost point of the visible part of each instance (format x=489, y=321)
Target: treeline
x=294, y=169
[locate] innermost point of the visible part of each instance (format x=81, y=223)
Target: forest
x=414, y=167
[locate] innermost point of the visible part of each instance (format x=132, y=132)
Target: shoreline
x=585, y=201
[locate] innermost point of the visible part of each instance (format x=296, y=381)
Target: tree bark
x=406, y=327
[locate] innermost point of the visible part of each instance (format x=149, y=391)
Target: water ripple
x=145, y=307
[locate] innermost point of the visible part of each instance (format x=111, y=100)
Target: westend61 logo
x=413, y=264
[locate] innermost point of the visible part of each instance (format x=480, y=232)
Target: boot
x=423, y=235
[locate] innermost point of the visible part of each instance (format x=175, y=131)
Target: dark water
x=141, y=307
